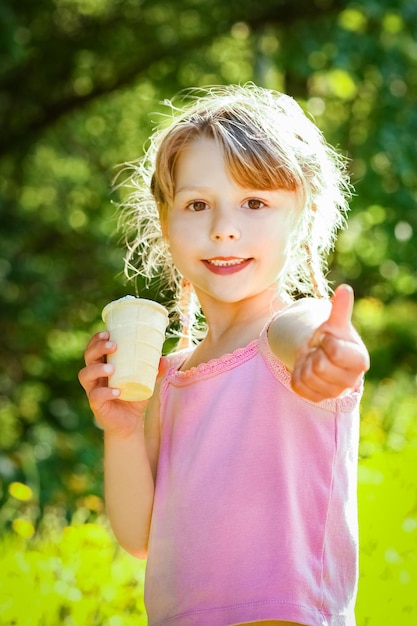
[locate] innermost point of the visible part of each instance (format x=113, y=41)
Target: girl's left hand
x=335, y=358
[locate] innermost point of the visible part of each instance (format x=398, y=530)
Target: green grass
x=388, y=539
x=80, y=578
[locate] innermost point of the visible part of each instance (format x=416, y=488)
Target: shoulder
x=311, y=310
x=173, y=360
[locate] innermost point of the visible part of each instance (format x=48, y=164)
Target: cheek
x=289, y=228
x=277, y=243
x=180, y=240
x=174, y=234
x=180, y=228
x=281, y=228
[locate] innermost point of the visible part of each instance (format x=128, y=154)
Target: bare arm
x=315, y=339
x=131, y=446
x=129, y=475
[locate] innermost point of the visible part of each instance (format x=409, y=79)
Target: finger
x=317, y=375
x=311, y=394
x=100, y=400
x=98, y=349
x=316, y=390
x=103, y=335
x=340, y=317
x=95, y=375
x=348, y=356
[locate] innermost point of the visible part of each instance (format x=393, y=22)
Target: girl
x=237, y=479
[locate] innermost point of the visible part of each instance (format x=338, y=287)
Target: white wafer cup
x=138, y=328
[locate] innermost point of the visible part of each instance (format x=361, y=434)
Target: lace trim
x=212, y=367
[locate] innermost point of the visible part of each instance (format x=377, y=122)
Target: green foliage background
x=81, y=86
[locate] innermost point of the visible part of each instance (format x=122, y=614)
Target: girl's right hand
x=112, y=415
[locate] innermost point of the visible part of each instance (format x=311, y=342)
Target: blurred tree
x=81, y=82
x=61, y=55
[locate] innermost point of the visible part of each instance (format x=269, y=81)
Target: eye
x=197, y=205
x=254, y=204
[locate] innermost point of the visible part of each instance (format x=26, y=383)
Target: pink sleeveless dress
x=255, y=513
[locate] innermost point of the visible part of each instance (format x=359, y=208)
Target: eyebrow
x=206, y=190
x=193, y=188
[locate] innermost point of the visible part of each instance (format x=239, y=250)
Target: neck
x=236, y=324
x=232, y=325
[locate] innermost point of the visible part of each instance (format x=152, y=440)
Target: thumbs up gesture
x=334, y=359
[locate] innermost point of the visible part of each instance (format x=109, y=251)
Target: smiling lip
x=226, y=265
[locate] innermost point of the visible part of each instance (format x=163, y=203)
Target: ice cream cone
x=138, y=327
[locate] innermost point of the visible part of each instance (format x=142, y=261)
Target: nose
x=224, y=227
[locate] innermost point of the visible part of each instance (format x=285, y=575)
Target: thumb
x=341, y=312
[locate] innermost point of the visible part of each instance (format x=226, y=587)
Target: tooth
x=224, y=263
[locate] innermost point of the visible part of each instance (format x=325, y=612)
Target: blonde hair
x=268, y=143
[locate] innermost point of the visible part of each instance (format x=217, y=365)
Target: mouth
x=226, y=265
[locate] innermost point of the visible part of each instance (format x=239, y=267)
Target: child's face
x=228, y=241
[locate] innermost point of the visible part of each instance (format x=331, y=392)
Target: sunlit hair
x=268, y=143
